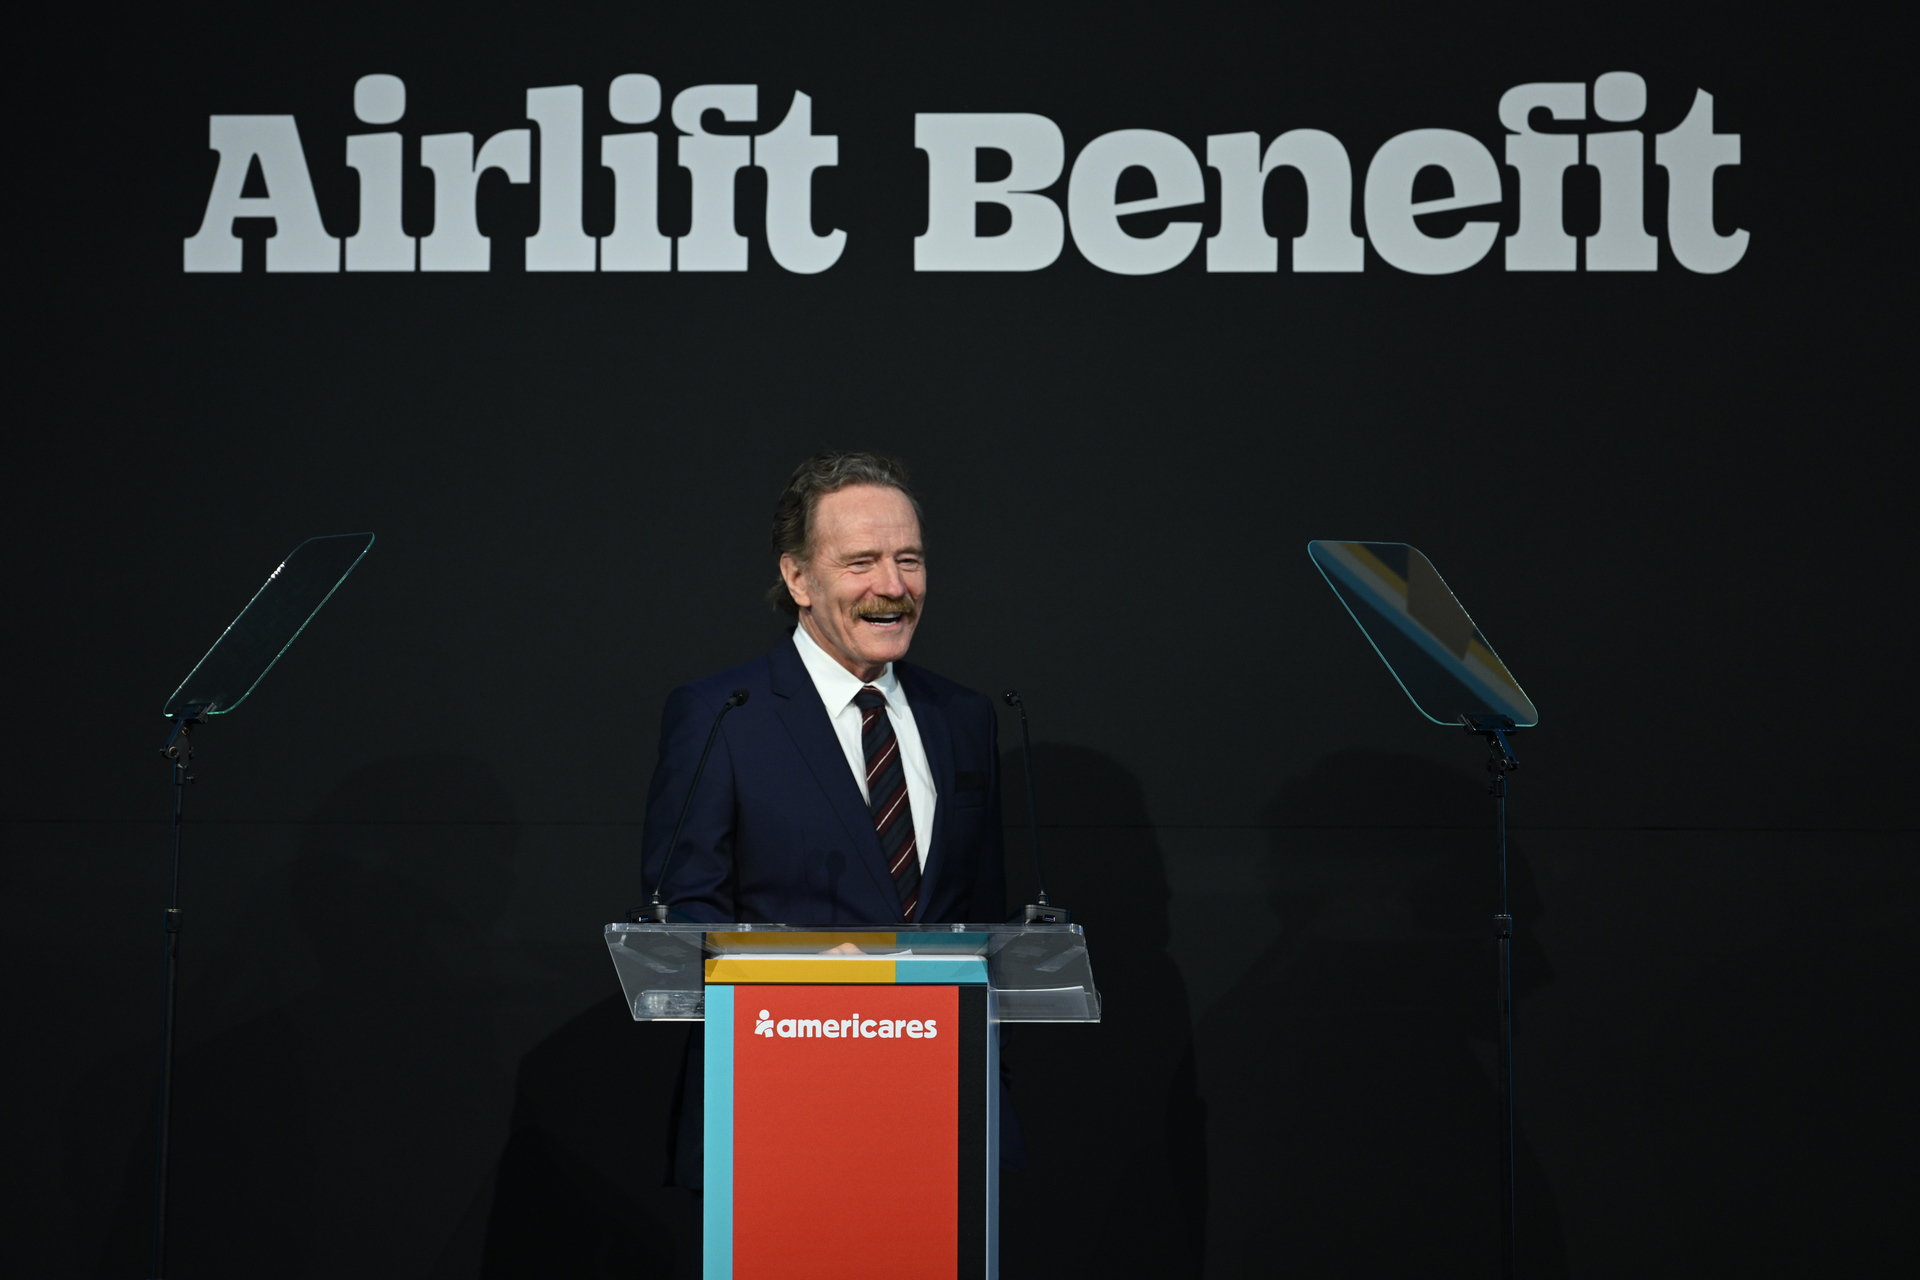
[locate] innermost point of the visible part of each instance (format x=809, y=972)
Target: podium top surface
x=1037, y=972
x=960, y=939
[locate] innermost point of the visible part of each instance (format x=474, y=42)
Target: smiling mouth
x=886, y=615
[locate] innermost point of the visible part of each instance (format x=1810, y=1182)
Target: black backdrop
x=1670, y=498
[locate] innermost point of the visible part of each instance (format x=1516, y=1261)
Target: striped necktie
x=887, y=797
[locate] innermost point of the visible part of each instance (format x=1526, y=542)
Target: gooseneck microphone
x=656, y=908
x=1041, y=911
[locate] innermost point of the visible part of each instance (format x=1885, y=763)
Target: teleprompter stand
x=852, y=1083
x=218, y=683
x=1453, y=677
x=1500, y=763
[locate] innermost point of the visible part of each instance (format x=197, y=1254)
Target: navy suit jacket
x=778, y=832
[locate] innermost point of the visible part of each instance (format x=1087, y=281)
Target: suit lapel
x=930, y=721
x=806, y=722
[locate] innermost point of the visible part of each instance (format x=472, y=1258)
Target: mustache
x=875, y=606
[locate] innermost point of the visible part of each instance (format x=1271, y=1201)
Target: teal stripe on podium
x=716, y=1217
x=959, y=971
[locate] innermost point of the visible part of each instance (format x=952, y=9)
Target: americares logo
x=854, y=1028
x=1409, y=178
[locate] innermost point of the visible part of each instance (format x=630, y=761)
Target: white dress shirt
x=836, y=686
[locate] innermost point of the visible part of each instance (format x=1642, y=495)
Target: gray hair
x=812, y=480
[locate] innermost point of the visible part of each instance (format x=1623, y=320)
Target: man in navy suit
x=779, y=830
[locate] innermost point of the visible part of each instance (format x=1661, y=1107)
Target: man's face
x=860, y=594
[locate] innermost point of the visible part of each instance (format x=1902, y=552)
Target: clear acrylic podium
x=852, y=1083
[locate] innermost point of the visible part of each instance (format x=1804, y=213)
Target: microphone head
x=1012, y=697
x=738, y=698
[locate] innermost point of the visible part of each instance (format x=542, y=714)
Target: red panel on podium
x=874, y=1195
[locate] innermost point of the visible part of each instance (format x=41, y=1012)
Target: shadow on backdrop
x=582, y=1185
x=1349, y=1075
x=334, y=1133
x=1115, y=1133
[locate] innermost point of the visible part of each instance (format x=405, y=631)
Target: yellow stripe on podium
x=810, y=970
